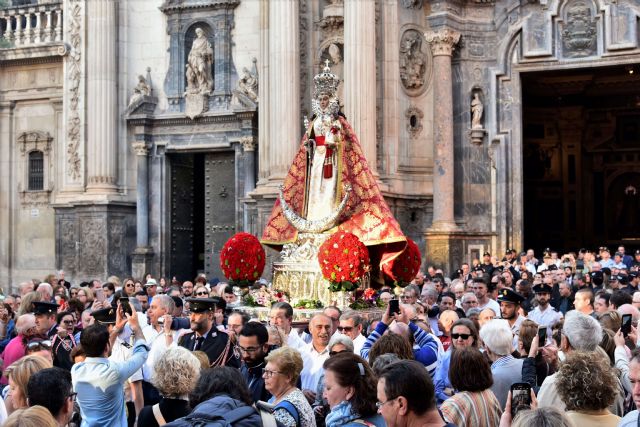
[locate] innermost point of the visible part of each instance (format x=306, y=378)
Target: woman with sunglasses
x=280, y=377
x=201, y=292
x=338, y=344
x=129, y=287
x=463, y=334
x=64, y=342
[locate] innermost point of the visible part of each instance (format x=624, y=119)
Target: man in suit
x=45, y=313
x=205, y=336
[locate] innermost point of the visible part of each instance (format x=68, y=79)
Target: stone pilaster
x=249, y=148
x=263, y=94
x=360, y=73
x=442, y=44
x=102, y=96
x=142, y=194
x=284, y=87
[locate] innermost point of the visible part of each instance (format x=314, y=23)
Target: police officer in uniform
x=205, y=336
x=45, y=313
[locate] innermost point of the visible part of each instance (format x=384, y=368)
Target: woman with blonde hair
x=26, y=305
x=175, y=375
x=35, y=416
x=280, y=378
x=18, y=374
x=85, y=295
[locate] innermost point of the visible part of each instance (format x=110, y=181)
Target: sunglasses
x=333, y=353
x=463, y=336
x=201, y=293
x=46, y=344
x=68, y=322
x=345, y=328
x=129, y=285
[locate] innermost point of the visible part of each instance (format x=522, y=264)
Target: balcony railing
x=31, y=25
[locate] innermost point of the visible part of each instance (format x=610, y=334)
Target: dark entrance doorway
x=581, y=151
x=203, y=212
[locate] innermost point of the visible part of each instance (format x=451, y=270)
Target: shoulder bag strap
x=156, y=413
x=290, y=408
x=239, y=413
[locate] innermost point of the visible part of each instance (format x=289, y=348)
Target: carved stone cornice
x=140, y=148
x=173, y=6
x=442, y=41
x=29, y=55
x=248, y=143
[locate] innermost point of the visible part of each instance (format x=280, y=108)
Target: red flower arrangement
x=344, y=260
x=242, y=259
x=404, y=268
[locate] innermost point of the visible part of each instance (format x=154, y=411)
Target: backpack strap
x=290, y=408
x=156, y=413
x=363, y=422
x=239, y=413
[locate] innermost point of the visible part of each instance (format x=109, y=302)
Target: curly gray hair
x=175, y=374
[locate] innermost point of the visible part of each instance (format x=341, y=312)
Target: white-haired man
x=579, y=333
x=498, y=342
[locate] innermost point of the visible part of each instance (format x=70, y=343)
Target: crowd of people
x=500, y=342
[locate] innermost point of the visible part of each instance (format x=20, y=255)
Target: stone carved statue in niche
x=579, y=33
x=412, y=61
x=476, y=112
x=199, y=62
x=248, y=83
x=412, y=4
x=141, y=90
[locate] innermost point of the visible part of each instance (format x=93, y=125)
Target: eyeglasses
x=68, y=322
x=247, y=349
x=72, y=396
x=463, y=336
x=269, y=374
x=345, y=328
x=46, y=344
x=379, y=405
x=201, y=294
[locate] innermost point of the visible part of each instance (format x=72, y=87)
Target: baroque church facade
x=137, y=136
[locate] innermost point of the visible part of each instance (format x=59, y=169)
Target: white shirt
x=157, y=346
x=492, y=304
x=548, y=317
x=312, y=370
x=120, y=353
x=358, y=343
x=294, y=341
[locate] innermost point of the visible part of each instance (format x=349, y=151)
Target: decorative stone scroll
x=442, y=42
x=414, y=60
x=74, y=75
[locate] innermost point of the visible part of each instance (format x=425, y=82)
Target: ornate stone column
x=360, y=73
x=442, y=43
x=102, y=96
x=284, y=87
x=249, y=147
x=444, y=243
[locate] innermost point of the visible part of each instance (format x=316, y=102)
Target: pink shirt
x=12, y=352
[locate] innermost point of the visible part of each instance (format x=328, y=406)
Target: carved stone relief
x=303, y=39
x=412, y=4
x=74, y=123
x=414, y=62
x=94, y=245
x=117, y=232
x=579, y=31
x=414, y=118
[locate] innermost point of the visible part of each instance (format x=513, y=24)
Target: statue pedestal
x=477, y=135
x=298, y=273
x=195, y=104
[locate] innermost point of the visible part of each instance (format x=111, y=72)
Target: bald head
x=447, y=318
x=320, y=329
x=25, y=322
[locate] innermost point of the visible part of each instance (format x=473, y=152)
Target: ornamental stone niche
x=415, y=62
x=579, y=31
x=34, y=184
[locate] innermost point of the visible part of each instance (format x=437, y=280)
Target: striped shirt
x=427, y=351
x=473, y=409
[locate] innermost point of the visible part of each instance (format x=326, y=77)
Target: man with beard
x=509, y=306
x=253, y=348
x=544, y=314
x=205, y=336
x=187, y=289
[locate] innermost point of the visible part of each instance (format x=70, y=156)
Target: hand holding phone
x=126, y=307
x=520, y=398
x=100, y=295
x=394, y=307
x=626, y=324
x=542, y=336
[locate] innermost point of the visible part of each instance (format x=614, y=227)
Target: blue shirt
x=99, y=384
x=441, y=380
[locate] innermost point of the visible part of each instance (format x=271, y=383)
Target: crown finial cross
x=326, y=63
